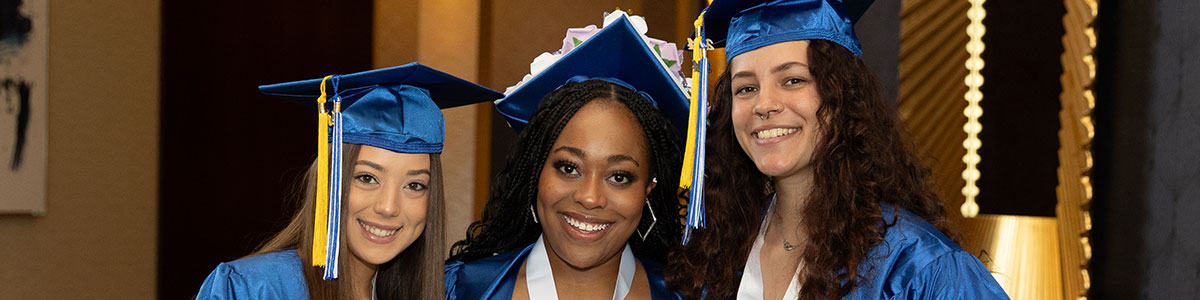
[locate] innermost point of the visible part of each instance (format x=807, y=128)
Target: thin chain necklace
x=787, y=246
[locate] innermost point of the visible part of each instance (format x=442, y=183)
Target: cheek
x=358, y=199
x=417, y=209
x=550, y=187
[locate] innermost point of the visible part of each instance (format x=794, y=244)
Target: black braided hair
x=507, y=224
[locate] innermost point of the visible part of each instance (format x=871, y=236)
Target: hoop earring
x=533, y=214
x=654, y=221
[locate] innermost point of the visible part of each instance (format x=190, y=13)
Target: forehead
x=604, y=128
x=393, y=160
x=763, y=59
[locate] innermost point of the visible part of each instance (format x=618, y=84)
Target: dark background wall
x=879, y=32
x=1146, y=211
x=1020, y=107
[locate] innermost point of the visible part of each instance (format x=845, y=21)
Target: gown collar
x=539, y=278
x=751, y=286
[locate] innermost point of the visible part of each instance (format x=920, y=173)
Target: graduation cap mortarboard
x=617, y=53
x=744, y=25
x=396, y=108
x=741, y=26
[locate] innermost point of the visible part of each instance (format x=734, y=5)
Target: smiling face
x=775, y=103
x=387, y=203
x=593, y=185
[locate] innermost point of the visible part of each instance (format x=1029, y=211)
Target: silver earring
x=653, y=221
x=531, y=213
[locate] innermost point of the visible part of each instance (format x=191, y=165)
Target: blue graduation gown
x=495, y=277
x=916, y=261
x=273, y=275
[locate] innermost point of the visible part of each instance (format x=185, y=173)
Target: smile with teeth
x=585, y=226
x=377, y=231
x=774, y=133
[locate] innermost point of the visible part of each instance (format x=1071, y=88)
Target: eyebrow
x=611, y=159
x=621, y=157
x=572, y=150
x=419, y=172
x=776, y=69
x=371, y=164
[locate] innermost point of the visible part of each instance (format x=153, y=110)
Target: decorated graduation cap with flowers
x=396, y=108
x=741, y=26
x=619, y=52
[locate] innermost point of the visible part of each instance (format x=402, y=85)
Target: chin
x=586, y=256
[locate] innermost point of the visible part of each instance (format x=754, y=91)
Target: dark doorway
x=1020, y=107
x=232, y=158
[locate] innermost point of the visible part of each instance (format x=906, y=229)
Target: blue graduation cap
x=617, y=53
x=396, y=108
x=744, y=25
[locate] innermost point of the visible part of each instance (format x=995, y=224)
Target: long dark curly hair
x=860, y=162
x=507, y=225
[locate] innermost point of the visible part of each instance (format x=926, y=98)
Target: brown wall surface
x=97, y=239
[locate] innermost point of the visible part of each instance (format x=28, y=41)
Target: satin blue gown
x=495, y=277
x=916, y=261
x=273, y=275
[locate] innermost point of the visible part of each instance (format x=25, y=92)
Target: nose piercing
x=764, y=116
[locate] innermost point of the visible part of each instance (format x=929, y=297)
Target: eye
x=794, y=81
x=416, y=186
x=566, y=168
x=366, y=179
x=745, y=90
x=622, y=178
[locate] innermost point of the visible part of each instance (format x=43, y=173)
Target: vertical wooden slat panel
x=931, y=89
x=1075, y=146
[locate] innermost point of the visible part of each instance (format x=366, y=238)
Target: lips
x=584, y=227
x=771, y=133
x=378, y=233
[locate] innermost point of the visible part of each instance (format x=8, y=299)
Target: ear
x=651, y=185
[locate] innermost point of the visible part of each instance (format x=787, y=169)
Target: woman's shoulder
x=270, y=261
x=275, y=274
x=909, y=231
x=916, y=257
x=481, y=278
x=654, y=276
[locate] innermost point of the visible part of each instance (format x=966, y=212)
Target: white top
x=751, y=287
x=539, y=278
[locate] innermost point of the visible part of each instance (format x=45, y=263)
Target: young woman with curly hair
x=812, y=192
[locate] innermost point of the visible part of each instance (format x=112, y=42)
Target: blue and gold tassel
x=692, y=176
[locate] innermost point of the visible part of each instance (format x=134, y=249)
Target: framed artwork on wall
x=23, y=106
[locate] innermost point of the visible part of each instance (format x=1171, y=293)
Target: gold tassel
x=321, y=217
x=689, y=152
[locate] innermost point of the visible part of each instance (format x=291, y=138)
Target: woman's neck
x=597, y=280
x=360, y=276
x=791, y=194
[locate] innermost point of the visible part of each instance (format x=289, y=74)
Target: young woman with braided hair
x=586, y=205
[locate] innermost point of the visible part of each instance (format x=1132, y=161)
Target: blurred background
x=164, y=160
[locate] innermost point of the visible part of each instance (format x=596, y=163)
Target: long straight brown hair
x=414, y=273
